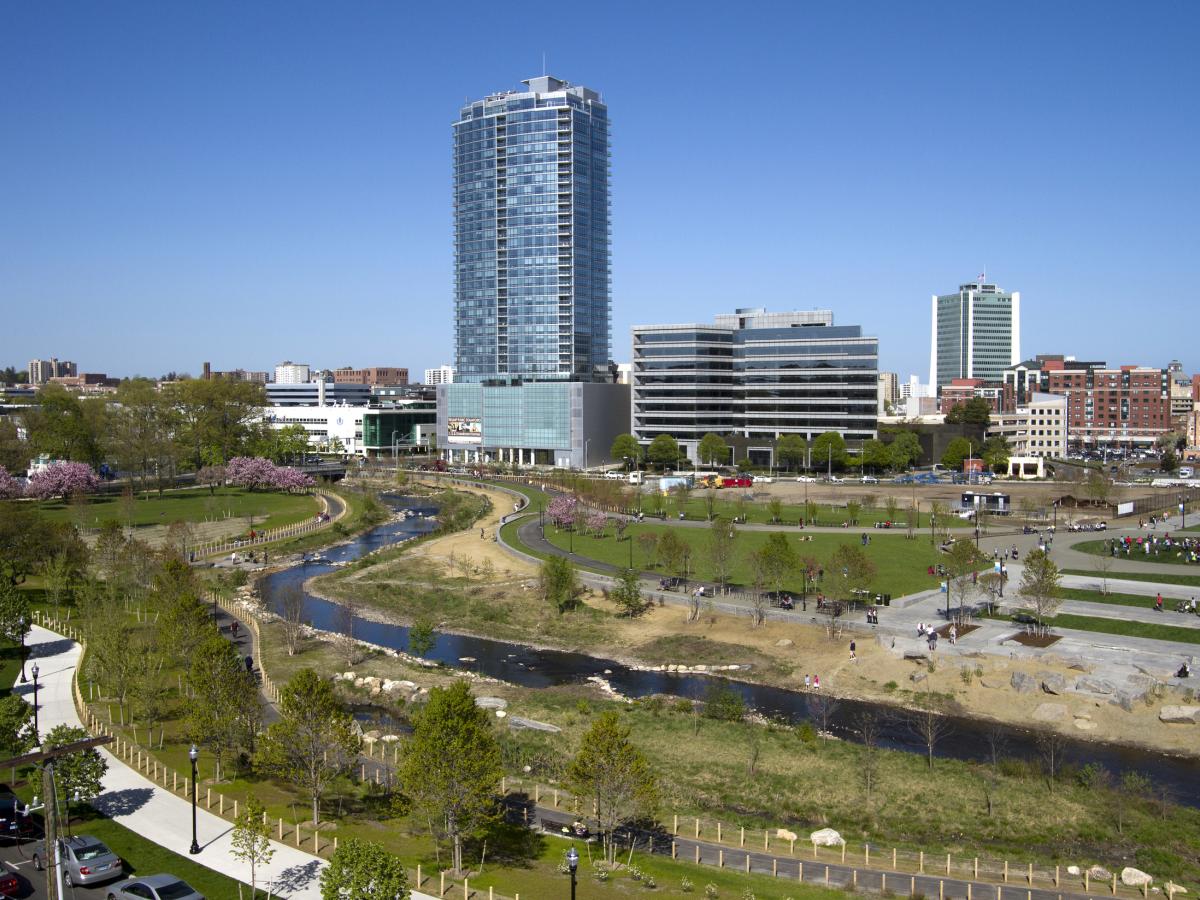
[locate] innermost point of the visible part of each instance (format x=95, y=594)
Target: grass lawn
x=1168, y=578
x=1173, y=555
x=1151, y=630
x=10, y=665
x=1144, y=601
x=269, y=509
x=900, y=563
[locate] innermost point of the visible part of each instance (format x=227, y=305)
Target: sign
x=1125, y=509
x=464, y=431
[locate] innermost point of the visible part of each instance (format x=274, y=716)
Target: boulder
x=1078, y=664
x=1099, y=873
x=917, y=676
x=531, y=724
x=784, y=643
x=1125, y=699
x=1095, y=686
x=1180, y=715
x=1085, y=724
x=1049, y=712
x=917, y=655
x=1022, y=683
x=782, y=834
x=1131, y=877
x=990, y=681
x=500, y=714
x=826, y=837
x=1052, y=683
x=1173, y=888
x=491, y=703
x=1073, y=870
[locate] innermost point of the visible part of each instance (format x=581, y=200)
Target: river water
x=529, y=667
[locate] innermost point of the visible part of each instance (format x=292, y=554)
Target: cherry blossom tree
x=288, y=479
x=561, y=511
x=212, y=477
x=250, y=472
x=596, y=521
x=62, y=480
x=10, y=488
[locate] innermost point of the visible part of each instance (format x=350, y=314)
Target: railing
x=282, y=532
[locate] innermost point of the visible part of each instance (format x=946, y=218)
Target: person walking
x=816, y=682
x=853, y=656
x=807, y=681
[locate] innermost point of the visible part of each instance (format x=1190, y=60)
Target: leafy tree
x=14, y=452
x=280, y=445
x=976, y=411
x=1169, y=461
x=625, y=447
x=1097, y=487
x=905, y=449
x=1040, y=586
x=211, y=477
x=141, y=432
x=956, y=453
x=996, y=453
x=648, y=544
x=776, y=560
x=853, y=567
x=559, y=584
x=78, y=774
x=361, y=870
x=775, y=508
x=877, y=455
x=829, y=450
x=251, y=840
x=65, y=427
x=16, y=725
x=221, y=688
x=452, y=766
x=724, y=704
x=217, y=417
x=674, y=552
x=962, y=562
x=792, y=450
x=663, y=451
x=614, y=774
x=28, y=540
x=627, y=593
x=16, y=613
x=314, y=740
x=712, y=449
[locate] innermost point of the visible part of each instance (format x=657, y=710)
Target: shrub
x=890, y=686
x=685, y=885
x=724, y=704
x=806, y=732
x=684, y=706
x=1014, y=768
x=710, y=890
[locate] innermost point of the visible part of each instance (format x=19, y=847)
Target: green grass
x=268, y=508
x=10, y=665
x=1144, y=601
x=1151, y=630
x=1173, y=555
x=1152, y=578
x=901, y=564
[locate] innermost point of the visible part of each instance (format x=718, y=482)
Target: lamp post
x=36, y=733
x=194, y=755
x=21, y=623
x=572, y=865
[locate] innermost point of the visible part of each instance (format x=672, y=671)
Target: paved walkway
x=150, y=811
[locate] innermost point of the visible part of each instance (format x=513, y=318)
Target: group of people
x=812, y=682
x=872, y=615
x=930, y=634
x=1187, y=549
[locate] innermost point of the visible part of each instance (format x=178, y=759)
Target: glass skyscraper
x=976, y=334
x=531, y=235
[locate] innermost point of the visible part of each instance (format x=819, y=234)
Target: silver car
x=85, y=859
x=154, y=887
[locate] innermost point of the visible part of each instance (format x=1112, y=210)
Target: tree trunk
x=456, y=863
x=316, y=801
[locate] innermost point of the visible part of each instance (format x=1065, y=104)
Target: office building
x=288, y=372
x=440, y=375
x=531, y=235
x=889, y=391
x=318, y=393
x=568, y=424
x=914, y=388
x=753, y=377
x=207, y=373
x=1037, y=428
x=372, y=375
x=976, y=334
x=42, y=370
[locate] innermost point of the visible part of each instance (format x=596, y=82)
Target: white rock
x=359, y=682
x=1085, y=724
x=784, y=835
x=826, y=837
x=491, y=703
x=500, y=714
x=1173, y=888
x=1135, y=877
x=784, y=643
x=1073, y=870
x=1099, y=873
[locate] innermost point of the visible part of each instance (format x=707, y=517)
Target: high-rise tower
x=976, y=334
x=532, y=299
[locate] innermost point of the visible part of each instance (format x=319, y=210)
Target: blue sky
x=249, y=182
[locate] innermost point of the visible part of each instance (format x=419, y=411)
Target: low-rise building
x=372, y=375
x=440, y=375
x=288, y=372
x=318, y=393
x=1040, y=428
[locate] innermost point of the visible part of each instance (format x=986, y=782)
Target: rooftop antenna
x=543, y=62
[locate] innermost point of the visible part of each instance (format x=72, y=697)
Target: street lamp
x=36, y=733
x=572, y=865
x=21, y=623
x=194, y=755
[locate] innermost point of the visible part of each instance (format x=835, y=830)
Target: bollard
x=747, y=863
x=775, y=867
x=968, y=890
x=281, y=829
x=921, y=867
x=827, y=874
x=491, y=893
x=674, y=851
x=419, y=876
x=1006, y=871
x=174, y=781
x=867, y=855
x=800, y=874
x=1056, y=876
x=883, y=883
x=912, y=885
x=208, y=798
x=843, y=853
x=718, y=832
x=1031, y=873
x=742, y=837
x=466, y=889
x=697, y=826
x=1114, y=885
x=1085, y=881
x=941, y=890
x=221, y=803
x=854, y=878
x=720, y=859
x=977, y=868
x=697, y=854
x=442, y=886
x=235, y=809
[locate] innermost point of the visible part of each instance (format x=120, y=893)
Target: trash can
x=887, y=599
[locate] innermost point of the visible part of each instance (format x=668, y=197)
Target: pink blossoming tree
x=63, y=480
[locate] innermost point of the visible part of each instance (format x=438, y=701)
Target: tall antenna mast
x=543, y=62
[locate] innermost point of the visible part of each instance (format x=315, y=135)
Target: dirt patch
x=478, y=543
x=963, y=630
x=1025, y=639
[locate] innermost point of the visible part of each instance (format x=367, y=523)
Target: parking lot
x=16, y=858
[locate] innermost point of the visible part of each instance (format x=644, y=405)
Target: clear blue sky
x=249, y=182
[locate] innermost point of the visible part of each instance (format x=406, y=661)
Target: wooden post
x=674, y=851
x=775, y=867
x=827, y=874
x=792, y=847
x=1085, y=881
x=867, y=855
x=766, y=840
x=235, y=809
x=221, y=803
x=442, y=885
x=800, y=874
x=1006, y=871
x=941, y=890
x=316, y=846
x=697, y=854
x=174, y=781
x=1056, y=876
x=976, y=868
x=968, y=890
x=720, y=859
x=208, y=798
x=297, y=835
x=1031, y=873
x=893, y=857
x=1114, y=885
x=921, y=867
x=947, y=863
x=281, y=829
x=466, y=888
x=742, y=837
x=747, y=863
x=697, y=826
x=883, y=883
x=843, y=852
x=912, y=885
x=718, y=832
x=537, y=793
x=418, y=876
x=854, y=878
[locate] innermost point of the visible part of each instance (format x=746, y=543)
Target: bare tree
x=292, y=603
x=1051, y=745
x=1039, y=589
x=929, y=725
x=821, y=708
x=758, y=608
x=1103, y=564
x=722, y=550
x=868, y=766
x=345, y=631
x=997, y=742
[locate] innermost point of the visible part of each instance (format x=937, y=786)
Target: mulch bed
x=1035, y=640
x=963, y=631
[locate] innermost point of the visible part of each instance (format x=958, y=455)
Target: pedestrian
x=807, y=681
x=481, y=534
x=853, y=656
x=953, y=633
x=234, y=628
x=816, y=682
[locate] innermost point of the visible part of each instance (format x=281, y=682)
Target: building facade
x=754, y=376
x=288, y=372
x=318, y=393
x=550, y=423
x=976, y=334
x=440, y=375
x=372, y=375
x=42, y=370
x=1038, y=428
x=889, y=391
x=531, y=235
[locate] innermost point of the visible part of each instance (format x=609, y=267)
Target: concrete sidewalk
x=150, y=811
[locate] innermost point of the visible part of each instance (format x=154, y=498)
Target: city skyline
x=207, y=195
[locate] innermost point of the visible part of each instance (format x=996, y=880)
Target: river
x=529, y=667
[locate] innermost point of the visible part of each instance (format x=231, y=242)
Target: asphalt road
x=15, y=858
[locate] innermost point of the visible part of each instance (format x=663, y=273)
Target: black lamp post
x=21, y=623
x=572, y=865
x=36, y=732
x=194, y=755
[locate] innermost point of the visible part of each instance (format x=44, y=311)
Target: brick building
x=372, y=375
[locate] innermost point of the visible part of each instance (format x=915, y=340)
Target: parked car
x=10, y=884
x=154, y=887
x=806, y=479
x=870, y=479
x=14, y=819
x=86, y=860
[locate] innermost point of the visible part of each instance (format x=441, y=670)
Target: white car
x=870, y=479
x=763, y=479
x=806, y=479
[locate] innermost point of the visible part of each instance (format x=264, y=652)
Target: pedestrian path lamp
x=572, y=865
x=36, y=733
x=21, y=623
x=194, y=755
